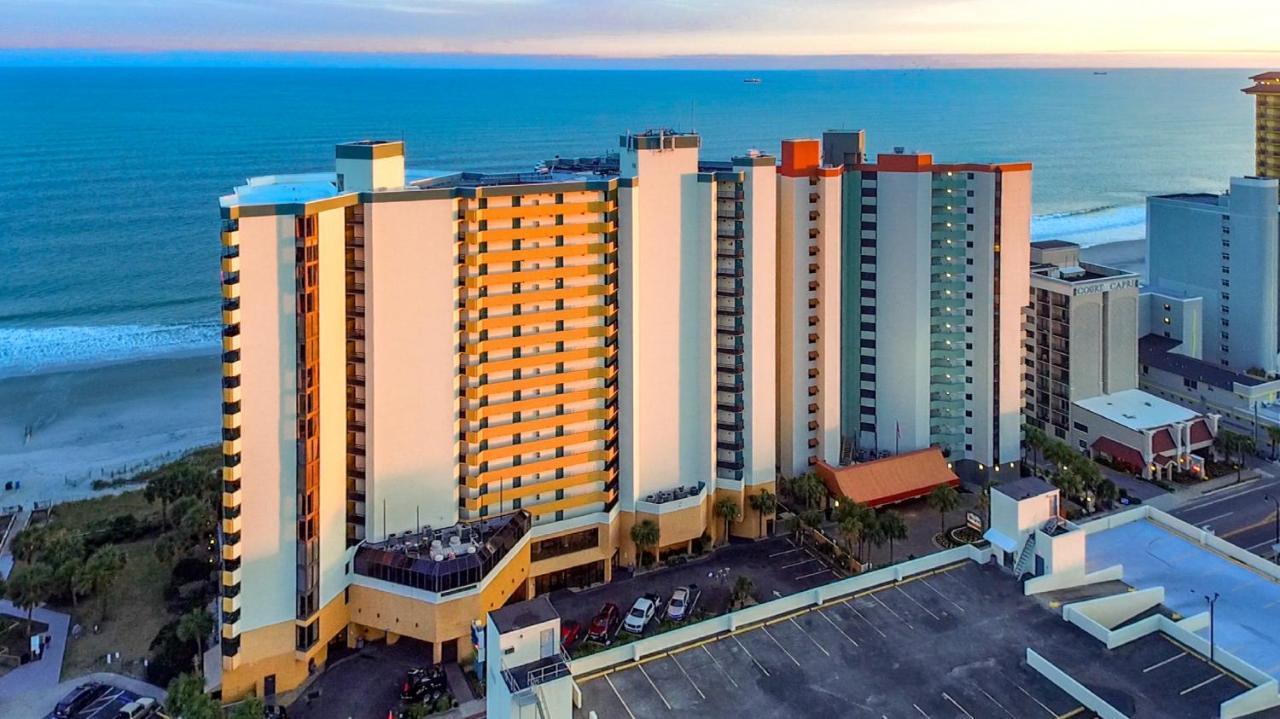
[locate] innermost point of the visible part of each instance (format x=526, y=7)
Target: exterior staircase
x=1026, y=558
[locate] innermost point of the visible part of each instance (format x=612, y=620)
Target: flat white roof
x=1136, y=409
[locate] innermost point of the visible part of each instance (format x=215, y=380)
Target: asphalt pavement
x=1243, y=514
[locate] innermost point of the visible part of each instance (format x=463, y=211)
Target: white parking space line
x=813, y=574
x=621, y=701
x=954, y=703
x=718, y=666
x=1260, y=545
x=925, y=581
x=837, y=626
x=696, y=688
x=753, y=658
x=917, y=709
x=785, y=551
x=1214, y=518
x=1206, y=682
x=807, y=634
x=918, y=604
x=855, y=611
x=775, y=641
x=1157, y=665
x=796, y=564
x=655, y=686
x=1017, y=686
x=886, y=606
x=997, y=703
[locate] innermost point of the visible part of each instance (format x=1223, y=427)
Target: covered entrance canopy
x=889, y=480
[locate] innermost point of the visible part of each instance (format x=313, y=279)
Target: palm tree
x=194, y=626
x=1107, y=492
x=645, y=534
x=743, y=588
x=943, y=499
x=1068, y=481
x=28, y=587
x=763, y=502
x=103, y=568
x=849, y=525
x=874, y=532
x=1273, y=434
x=894, y=529
x=728, y=509
x=169, y=486
x=984, y=501
x=1034, y=439
x=809, y=490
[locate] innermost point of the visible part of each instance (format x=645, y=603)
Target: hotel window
x=1225, y=348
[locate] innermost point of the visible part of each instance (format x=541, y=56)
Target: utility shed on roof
x=889, y=480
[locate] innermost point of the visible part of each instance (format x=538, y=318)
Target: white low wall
x=1259, y=698
x=1078, y=691
x=1068, y=579
x=1215, y=543
x=733, y=621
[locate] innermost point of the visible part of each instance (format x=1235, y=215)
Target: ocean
x=109, y=177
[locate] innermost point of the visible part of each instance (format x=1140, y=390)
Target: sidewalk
x=48, y=670
x=1173, y=500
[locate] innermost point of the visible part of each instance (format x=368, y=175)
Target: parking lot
x=950, y=643
x=776, y=566
x=106, y=706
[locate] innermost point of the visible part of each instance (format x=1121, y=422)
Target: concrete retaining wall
x=1078, y=691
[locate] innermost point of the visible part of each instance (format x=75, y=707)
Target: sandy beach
x=104, y=421
x=1128, y=255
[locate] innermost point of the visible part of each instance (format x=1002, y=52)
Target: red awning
x=1200, y=432
x=889, y=480
x=1118, y=451
x=1162, y=441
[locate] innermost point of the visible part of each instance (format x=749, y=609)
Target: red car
x=605, y=624
x=570, y=633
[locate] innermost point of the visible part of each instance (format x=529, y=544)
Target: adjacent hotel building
x=444, y=392
x=935, y=281
x=1266, y=93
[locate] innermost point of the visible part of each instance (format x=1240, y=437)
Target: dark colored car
x=79, y=698
x=423, y=684
x=605, y=624
x=570, y=633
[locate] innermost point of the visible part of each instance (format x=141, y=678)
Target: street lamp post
x=1212, y=600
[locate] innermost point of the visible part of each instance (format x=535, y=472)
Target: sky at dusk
x=1235, y=33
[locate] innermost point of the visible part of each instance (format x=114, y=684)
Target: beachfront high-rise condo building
x=1224, y=249
x=447, y=391
x=935, y=278
x=809, y=309
x=1266, y=94
x=1081, y=334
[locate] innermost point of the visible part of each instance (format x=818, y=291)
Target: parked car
x=424, y=684
x=641, y=612
x=570, y=633
x=139, y=708
x=683, y=600
x=79, y=698
x=605, y=624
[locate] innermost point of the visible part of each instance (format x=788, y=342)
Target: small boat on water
x=752, y=81
x=1100, y=72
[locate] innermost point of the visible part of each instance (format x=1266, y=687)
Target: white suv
x=641, y=612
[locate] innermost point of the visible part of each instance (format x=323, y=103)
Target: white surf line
x=914, y=705
x=753, y=658
x=993, y=701
x=796, y=564
x=868, y=621
x=956, y=704
x=1157, y=665
x=621, y=701
x=718, y=666
x=1206, y=682
x=807, y=634
x=784, y=649
x=696, y=688
x=925, y=581
x=655, y=686
x=837, y=626
x=918, y=604
x=886, y=606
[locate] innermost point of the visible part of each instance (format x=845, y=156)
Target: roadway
x=1241, y=514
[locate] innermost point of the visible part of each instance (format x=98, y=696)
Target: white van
x=139, y=708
